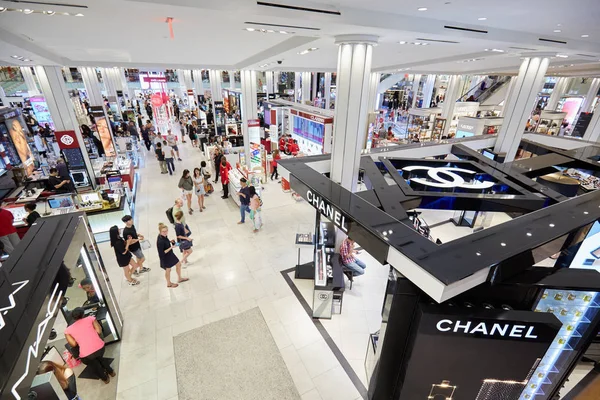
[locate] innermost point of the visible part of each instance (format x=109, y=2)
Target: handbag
x=145, y=244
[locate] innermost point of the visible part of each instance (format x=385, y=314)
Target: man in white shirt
x=169, y=155
x=172, y=140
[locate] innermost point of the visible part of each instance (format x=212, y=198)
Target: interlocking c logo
x=440, y=182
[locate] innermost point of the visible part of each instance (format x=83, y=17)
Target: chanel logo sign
x=456, y=181
x=66, y=139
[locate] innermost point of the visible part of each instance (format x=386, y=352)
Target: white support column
x=198, y=85
x=276, y=78
x=112, y=83
x=306, y=80
x=231, y=80
x=428, y=90
x=509, y=93
x=327, y=90
x=32, y=88
x=269, y=79
x=592, y=133
x=60, y=106
x=450, y=98
x=215, y=85
x=297, y=86
x=517, y=110
x=125, y=86
x=92, y=86
x=248, y=106
x=415, y=89
x=560, y=88
x=314, y=85
x=373, y=91
x=355, y=53
x=591, y=95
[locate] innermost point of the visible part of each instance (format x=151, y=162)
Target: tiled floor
x=231, y=270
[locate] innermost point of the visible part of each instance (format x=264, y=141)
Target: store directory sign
x=476, y=354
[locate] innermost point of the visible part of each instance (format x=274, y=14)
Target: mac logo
x=11, y=302
x=440, y=182
x=33, y=350
x=482, y=328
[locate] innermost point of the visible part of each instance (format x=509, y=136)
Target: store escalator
x=479, y=95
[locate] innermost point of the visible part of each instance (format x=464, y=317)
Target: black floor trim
x=336, y=351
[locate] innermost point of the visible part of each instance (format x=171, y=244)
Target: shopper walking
x=217, y=159
x=276, y=157
x=194, y=133
x=182, y=231
x=129, y=232
x=225, y=168
x=255, y=211
x=8, y=233
x=172, y=140
x=198, y=179
x=160, y=156
x=169, y=156
x=64, y=375
x=244, y=195
x=178, y=206
x=86, y=333
x=146, y=136
x=123, y=255
x=168, y=259
x=186, y=184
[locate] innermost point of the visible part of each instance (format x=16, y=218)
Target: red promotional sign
x=155, y=79
x=190, y=92
x=313, y=117
x=252, y=123
x=66, y=140
x=157, y=100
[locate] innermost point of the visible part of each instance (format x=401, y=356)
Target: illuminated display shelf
x=574, y=309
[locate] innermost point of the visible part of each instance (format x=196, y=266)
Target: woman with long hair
x=64, y=375
x=183, y=237
x=255, y=214
x=167, y=257
x=186, y=184
x=124, y=258
x=85, y=332
x=198, y=179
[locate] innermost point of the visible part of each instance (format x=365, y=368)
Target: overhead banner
x=254, y=139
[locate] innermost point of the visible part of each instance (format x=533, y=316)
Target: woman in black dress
x=123, y=254
x=168, y=259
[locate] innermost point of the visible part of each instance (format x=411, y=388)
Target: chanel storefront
x=503, y=313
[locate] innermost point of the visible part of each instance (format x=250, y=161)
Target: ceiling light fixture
x=2, y=9
x=15, y=56
x=585, y=36
x=303, y=52
x=482, y=19
x=27, y=11
x=422, y=9
x=557, y=31
x=250, y=29
x=79, y=15
x=402, y=42
x=283, y=32
x=49, y=12
x=26, y=59
x=562, y=56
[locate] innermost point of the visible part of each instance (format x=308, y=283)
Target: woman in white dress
x=198, y=179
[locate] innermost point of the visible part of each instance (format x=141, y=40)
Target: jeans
x=357, y=267
x=98, y=364
x=244, y=208
x=170, y=164
x=163, y=166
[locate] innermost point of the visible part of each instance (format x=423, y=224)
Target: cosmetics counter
x=235, y=175
x=424, y=123
x=550, y=122
x=113, y=169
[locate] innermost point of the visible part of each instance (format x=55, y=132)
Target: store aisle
x=231, y=270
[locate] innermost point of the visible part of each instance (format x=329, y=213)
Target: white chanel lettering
x=440, y=182
x=482, y=328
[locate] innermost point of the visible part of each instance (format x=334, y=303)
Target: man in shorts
x=135, y=248
x=172, y=141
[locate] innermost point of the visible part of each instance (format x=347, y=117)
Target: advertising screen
x=309, y=130
x=41, y=112
x=480, y=355
x=588, y=255
x=105, y=136
x=17, y=135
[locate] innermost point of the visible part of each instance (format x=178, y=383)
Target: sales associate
x=57, y=184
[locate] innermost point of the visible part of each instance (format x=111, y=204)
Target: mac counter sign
x=327, y=210
x=487, y=329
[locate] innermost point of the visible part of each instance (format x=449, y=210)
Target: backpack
x=170, y=215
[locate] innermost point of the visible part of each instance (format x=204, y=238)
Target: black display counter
x=41, y=278
x=476, y=317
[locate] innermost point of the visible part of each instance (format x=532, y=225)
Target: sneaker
x=179, y=159
x=137, y=273
x=133, y=283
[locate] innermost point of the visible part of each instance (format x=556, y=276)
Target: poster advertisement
x=254, y=138
x=41, y=112
x=103, y=130
x=19, y=139
x=497, y=351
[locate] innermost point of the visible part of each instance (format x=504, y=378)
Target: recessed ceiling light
x=27, y=11
x=551, y=225
x=49, y=12
x=557, y=31
x=528, y=233
x=562, y=56
x=283, y=32
x=584, y=36
x=478, y=253
x=270, y=31
x=482, y=19
x=417, y=43
x=250, y=29
x=503, y=244
x=422, y=9
x=15, y=56
x=586, y=213
x=425, y=44
x=2, y=9
x=79, y=15
x=313, y=48
x=402, y=42
x=26, y=59
x=558, y=24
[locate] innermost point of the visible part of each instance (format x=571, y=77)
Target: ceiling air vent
x=458, y=28
x=552, y=41
x=586, y=55
x=437, y=41
x=46, y=4
x=521, y=48
x=297, y=8
x=282, y=26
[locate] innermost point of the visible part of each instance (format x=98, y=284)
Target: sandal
x=184, y=280
x=172, y=285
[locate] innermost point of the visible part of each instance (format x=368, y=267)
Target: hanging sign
x=66, y=140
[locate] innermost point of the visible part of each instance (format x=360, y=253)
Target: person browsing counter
x=347, y=253
x=129, y=232
x=85, y=332
x=225, y=168
x=32, y=215
x=64, y=375
x=244, y=195
x=57, y=184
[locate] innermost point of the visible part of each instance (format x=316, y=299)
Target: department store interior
x=323, y=201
